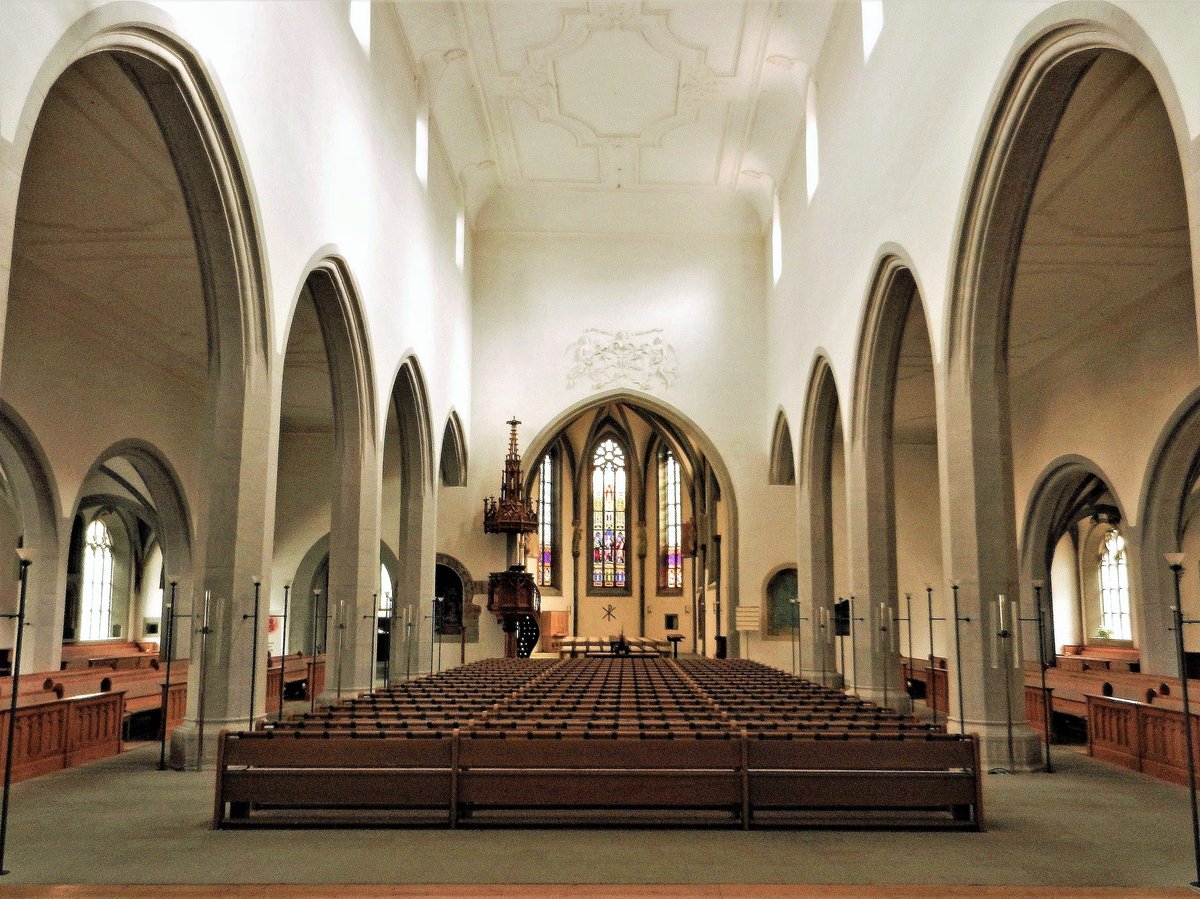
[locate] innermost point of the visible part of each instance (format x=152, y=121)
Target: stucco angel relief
x=641, y=359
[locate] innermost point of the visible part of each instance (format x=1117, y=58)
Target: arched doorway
x=448, y=620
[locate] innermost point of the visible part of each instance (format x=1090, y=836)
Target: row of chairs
x=763, y=700
x=602, y=740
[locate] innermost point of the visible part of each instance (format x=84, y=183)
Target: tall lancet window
x=670, y=523
x=96, y=615
x=1114, y=587
x=608, y=515
x=547, y=522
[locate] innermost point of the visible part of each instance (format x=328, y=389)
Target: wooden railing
x=1141, y=737
x=1035, y=706
x=296, y=668
x=63, y=733
x=918, y=670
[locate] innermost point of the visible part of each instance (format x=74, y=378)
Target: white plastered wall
x=325, y=135
x=899, y=138
x=536, y=293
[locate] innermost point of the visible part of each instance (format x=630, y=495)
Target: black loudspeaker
x=722, y=647
x=841, y=618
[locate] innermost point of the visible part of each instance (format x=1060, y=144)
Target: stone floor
x=121, y=821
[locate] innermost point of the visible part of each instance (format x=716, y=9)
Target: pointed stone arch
x=815, y=543
x=353, y=564
x=696, y=452
x=453, y=461
x=1163, y=512
x=1050, y=61
x=205, y=154
x=783, y=462
x=894, y=306
x=415, y=545
x=32, y=496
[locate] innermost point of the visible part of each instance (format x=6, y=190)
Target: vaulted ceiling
x=616, y=115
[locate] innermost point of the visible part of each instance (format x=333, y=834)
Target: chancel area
x=728, y=442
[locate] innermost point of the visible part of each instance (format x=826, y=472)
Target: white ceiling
x=1105, y=261
x=103, y=239
x=617, y=115
x=306, y=403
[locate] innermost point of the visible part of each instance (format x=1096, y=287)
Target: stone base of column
x=1026, y=743
x=894, y=698
x=833, y=679
x=185, y=747
x=329, y=695
x=812, y=674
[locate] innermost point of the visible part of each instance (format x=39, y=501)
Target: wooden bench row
x=1080, y=657
x=1070, y=689
x=574, y=647
x=732, y=779
x=117, y=654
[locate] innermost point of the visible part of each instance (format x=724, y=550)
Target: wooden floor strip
x=589, y=891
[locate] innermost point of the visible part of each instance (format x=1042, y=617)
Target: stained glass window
x=670, y=522
x=96, y=615
x=608, y=515
x=546, y=522
x=1114, y=587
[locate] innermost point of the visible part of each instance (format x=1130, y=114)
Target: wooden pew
x=338, y=773
x=1078, y=657
x=525, y=779
x=62, y=733
x=1071, y=688
x=141, y=688
x=108, y=654
x=911, y=781
x=603, y=740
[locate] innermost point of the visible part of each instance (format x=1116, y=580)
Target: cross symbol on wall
x=608, y=612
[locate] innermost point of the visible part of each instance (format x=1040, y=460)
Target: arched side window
x=97, y=594
x=782, y=611
x=609, y=495
x=1114, y=588
x=670, y=523
x=547, y=532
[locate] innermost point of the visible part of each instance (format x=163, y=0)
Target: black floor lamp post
x=1047, y=710
x=1175, y=561
x=26, y=559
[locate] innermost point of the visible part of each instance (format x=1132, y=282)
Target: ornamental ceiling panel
x=650, y=96
x=576, y=115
